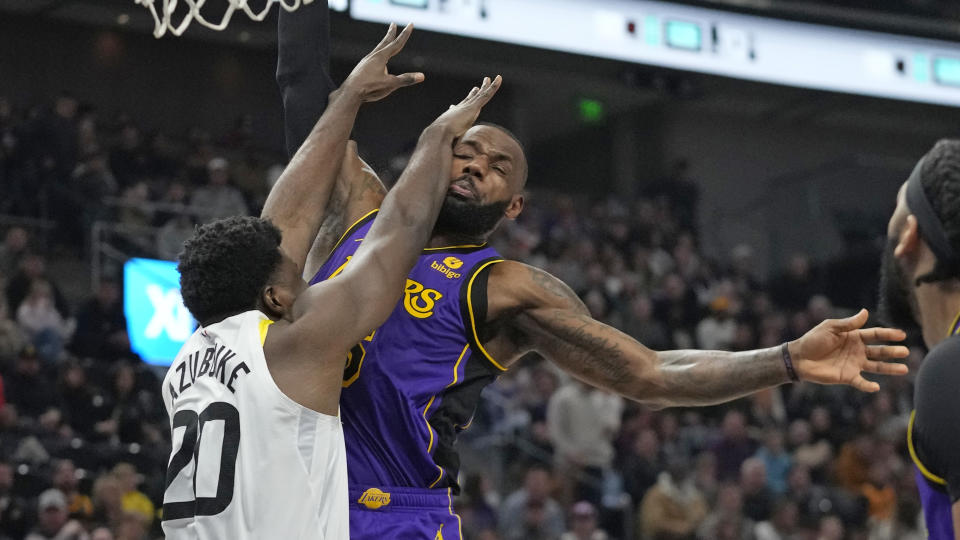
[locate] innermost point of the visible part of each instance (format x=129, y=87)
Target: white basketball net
x=162, y=18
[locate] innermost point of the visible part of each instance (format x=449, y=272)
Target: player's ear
x=515, y=207
x=909, y=238
x=271, y=301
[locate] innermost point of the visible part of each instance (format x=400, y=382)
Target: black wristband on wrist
x=788, y=362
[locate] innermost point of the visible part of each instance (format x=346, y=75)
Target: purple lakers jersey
x=414, y=383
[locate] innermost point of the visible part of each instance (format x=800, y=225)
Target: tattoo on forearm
x=588, y=347
x=710, y=377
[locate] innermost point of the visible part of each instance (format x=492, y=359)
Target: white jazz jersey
x=247, y=461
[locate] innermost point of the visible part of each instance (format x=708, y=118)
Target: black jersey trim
x=473, y=306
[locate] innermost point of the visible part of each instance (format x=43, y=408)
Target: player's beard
x=896, y=303
x=465, y=218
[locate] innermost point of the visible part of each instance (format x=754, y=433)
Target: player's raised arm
x=295, y=204
x=551, y=320
x=359, y=299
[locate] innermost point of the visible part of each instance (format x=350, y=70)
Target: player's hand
x=370, y=79
x=460, y=117
x=837, y=351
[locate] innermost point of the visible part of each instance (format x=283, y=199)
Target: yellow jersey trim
x=264, y=326
x=954, y=330
x=457, y=365
x=352, y=228
x=473, y=322
x=916, y=460
x=429, y=428
x=463, y=246
x=450, y=507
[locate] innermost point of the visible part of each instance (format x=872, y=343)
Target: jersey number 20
x=190, y=451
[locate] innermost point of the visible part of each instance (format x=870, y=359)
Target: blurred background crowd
x=84, y=438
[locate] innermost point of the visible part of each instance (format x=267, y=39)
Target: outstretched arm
x=296, y=202
x=358, y=300
x=544, y=315
x=303, y=69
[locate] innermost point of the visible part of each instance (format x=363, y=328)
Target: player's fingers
x=409, y=79
x=473, y=92
x=864, y=385
x=881, y=352
x=397, y=44
x=850, y=323
x=391, y=34
x=487, y=93
x=885, y=368
x=872, y=335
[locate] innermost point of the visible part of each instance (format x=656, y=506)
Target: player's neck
x=939, y=304
x=442, y=239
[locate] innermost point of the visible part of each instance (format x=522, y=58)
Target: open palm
x=838, y=351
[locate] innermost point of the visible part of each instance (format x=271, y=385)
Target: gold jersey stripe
x=264, y=326
x=913, y=454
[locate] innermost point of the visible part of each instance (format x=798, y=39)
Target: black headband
x=930, y=227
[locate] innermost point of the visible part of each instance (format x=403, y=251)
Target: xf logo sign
x=169, y=314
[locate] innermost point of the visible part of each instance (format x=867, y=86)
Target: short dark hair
x=940, y=178
x=226, y=264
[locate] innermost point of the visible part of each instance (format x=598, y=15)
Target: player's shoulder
x=515, y=286
x=943, y=361
x=939, y=374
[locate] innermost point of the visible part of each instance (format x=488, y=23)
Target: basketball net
x=163, y=13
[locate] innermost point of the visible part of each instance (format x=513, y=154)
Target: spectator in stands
x=812, y=456
x=54, y=519
x=79, y=506
x=782, y=525
x=107, y=500
x=532, y=500
x=583, y=422
x=757, y=498
x=797, y=285
x=218, y=199
x=131, y=527
x=852, y=465
x=130, y=408
x=727, y=519
x=474, y=508
x=812, y=500
x=27, y=387
x=677, y=307
x=129, y=160
x=14, y=513
x=12, y=251
x=641, y=324
x=583, y=523
x=776, y=461
x=101, y=325
x=12, y=338
x=716, y=331
x=134, y=501
x=102, y=533
x=733, y=447
x=45, y=326
x=32, y=267
x=642, y=466
x=672, y=509
x=831, y=528
x=82, y=404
